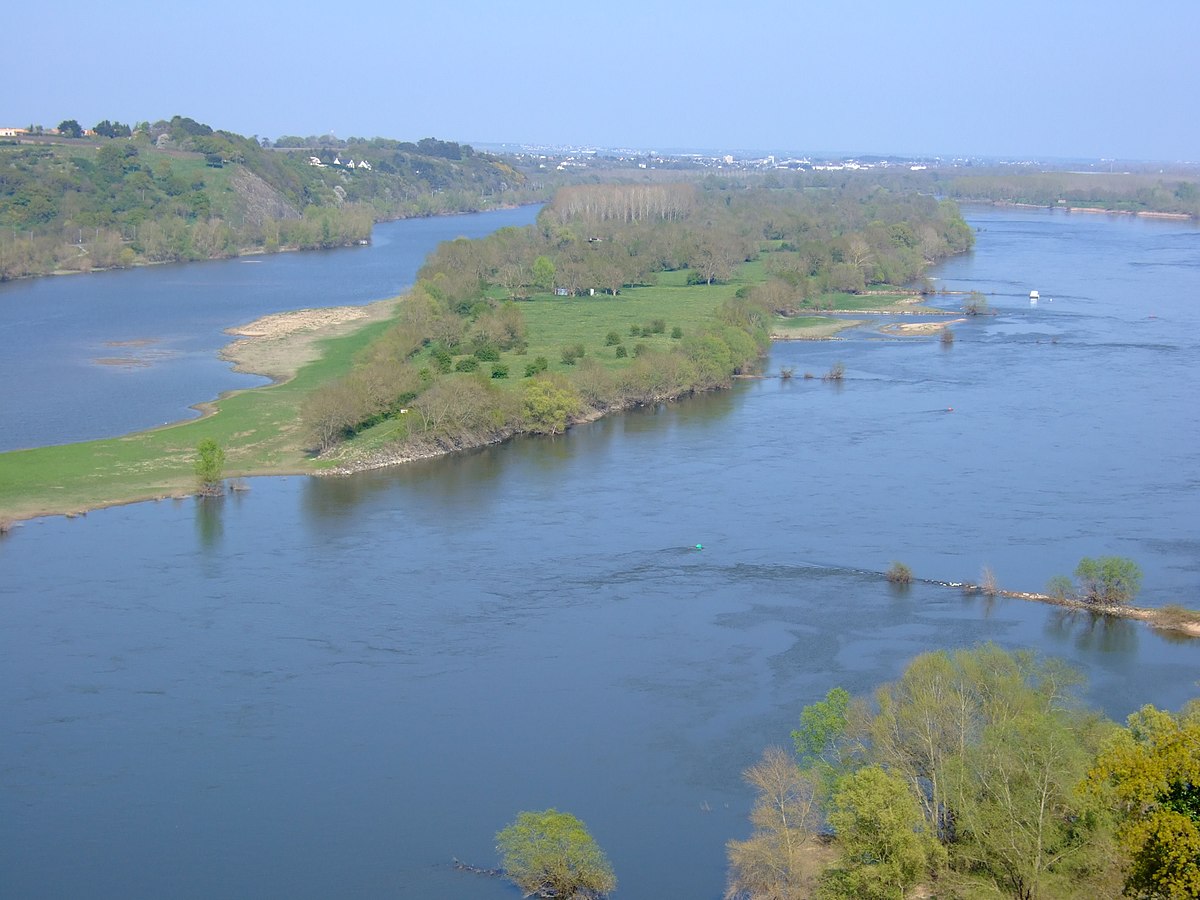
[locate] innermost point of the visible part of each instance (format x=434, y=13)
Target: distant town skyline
x=1020, y=80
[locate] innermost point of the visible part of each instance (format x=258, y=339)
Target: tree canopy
x=551, y=853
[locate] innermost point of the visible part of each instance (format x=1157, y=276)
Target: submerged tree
x=1109, y=580
x=551, y=854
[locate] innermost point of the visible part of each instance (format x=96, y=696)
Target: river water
x=332, y=687
x=105, y=354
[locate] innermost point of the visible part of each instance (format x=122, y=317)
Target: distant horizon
x=1025, y=81
x=944, y=157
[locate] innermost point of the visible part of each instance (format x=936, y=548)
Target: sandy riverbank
x=918, y=328
x=278, y=345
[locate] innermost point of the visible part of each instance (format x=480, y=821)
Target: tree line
x=977, y=773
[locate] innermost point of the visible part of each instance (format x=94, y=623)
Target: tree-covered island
x=620, y=295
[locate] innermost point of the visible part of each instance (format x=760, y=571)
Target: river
x=108, y=353
x=332, y=687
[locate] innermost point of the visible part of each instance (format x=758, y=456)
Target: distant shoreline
x=1091, y=210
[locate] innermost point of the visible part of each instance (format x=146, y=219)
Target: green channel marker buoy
x=699, y=546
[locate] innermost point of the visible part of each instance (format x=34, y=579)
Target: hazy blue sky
x=1014, y=77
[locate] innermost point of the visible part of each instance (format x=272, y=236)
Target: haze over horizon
x=1022, y=80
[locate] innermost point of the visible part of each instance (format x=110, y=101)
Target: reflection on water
x=1093, y=633
x=209, y=527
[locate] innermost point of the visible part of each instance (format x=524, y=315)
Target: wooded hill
x=180, y=190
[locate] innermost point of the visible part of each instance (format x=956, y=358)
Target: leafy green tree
x=822, y=727
x=70, y=128
x=1151, y=770
x=885, y=844
x=543, y=273
x=551, y=853
x=549, y=404
x=1108, y=580
x=1020, y=823
x=210, y=466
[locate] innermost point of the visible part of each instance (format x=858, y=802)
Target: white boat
x=1033, y=298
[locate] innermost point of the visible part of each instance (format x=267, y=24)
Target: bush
x=836, y=372
x=612, y=339
x=573, y=353
x=976, y=304
x=487, y=353
x=466, y=364
x=640, y=348
x=657, y=326
x=987, y=582
x=1060, y=587
x=442, y=358
x=1108, y=580
x=635, y=330
x=899, y=573
x=676, y=332
x=500, y=370
x=551, y=854
x=540, y=364
x=621, y=351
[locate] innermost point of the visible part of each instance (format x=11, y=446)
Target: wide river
x=330, y=688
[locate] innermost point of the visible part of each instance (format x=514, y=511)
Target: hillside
x=180, y=190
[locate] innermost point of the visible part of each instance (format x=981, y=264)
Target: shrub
x=500, y=370
x=1060, y=587
x=621, y=351
x=1175, y=616
x=657, y=326
x=899, y=573
x=442, y=358
x=540, y=364
x=612, y=339
x=987, y=582
x=676, y=332
x=573, y=353
x=487, y=353
x=976, y=304
x=640, y=348
x=466, y=364
x=836, y=372
x=635, y=330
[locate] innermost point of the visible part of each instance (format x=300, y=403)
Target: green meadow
x=260, y=428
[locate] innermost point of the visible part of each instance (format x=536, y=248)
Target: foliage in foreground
x=976, y=774
x=551, y=854
x=1150, y=772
